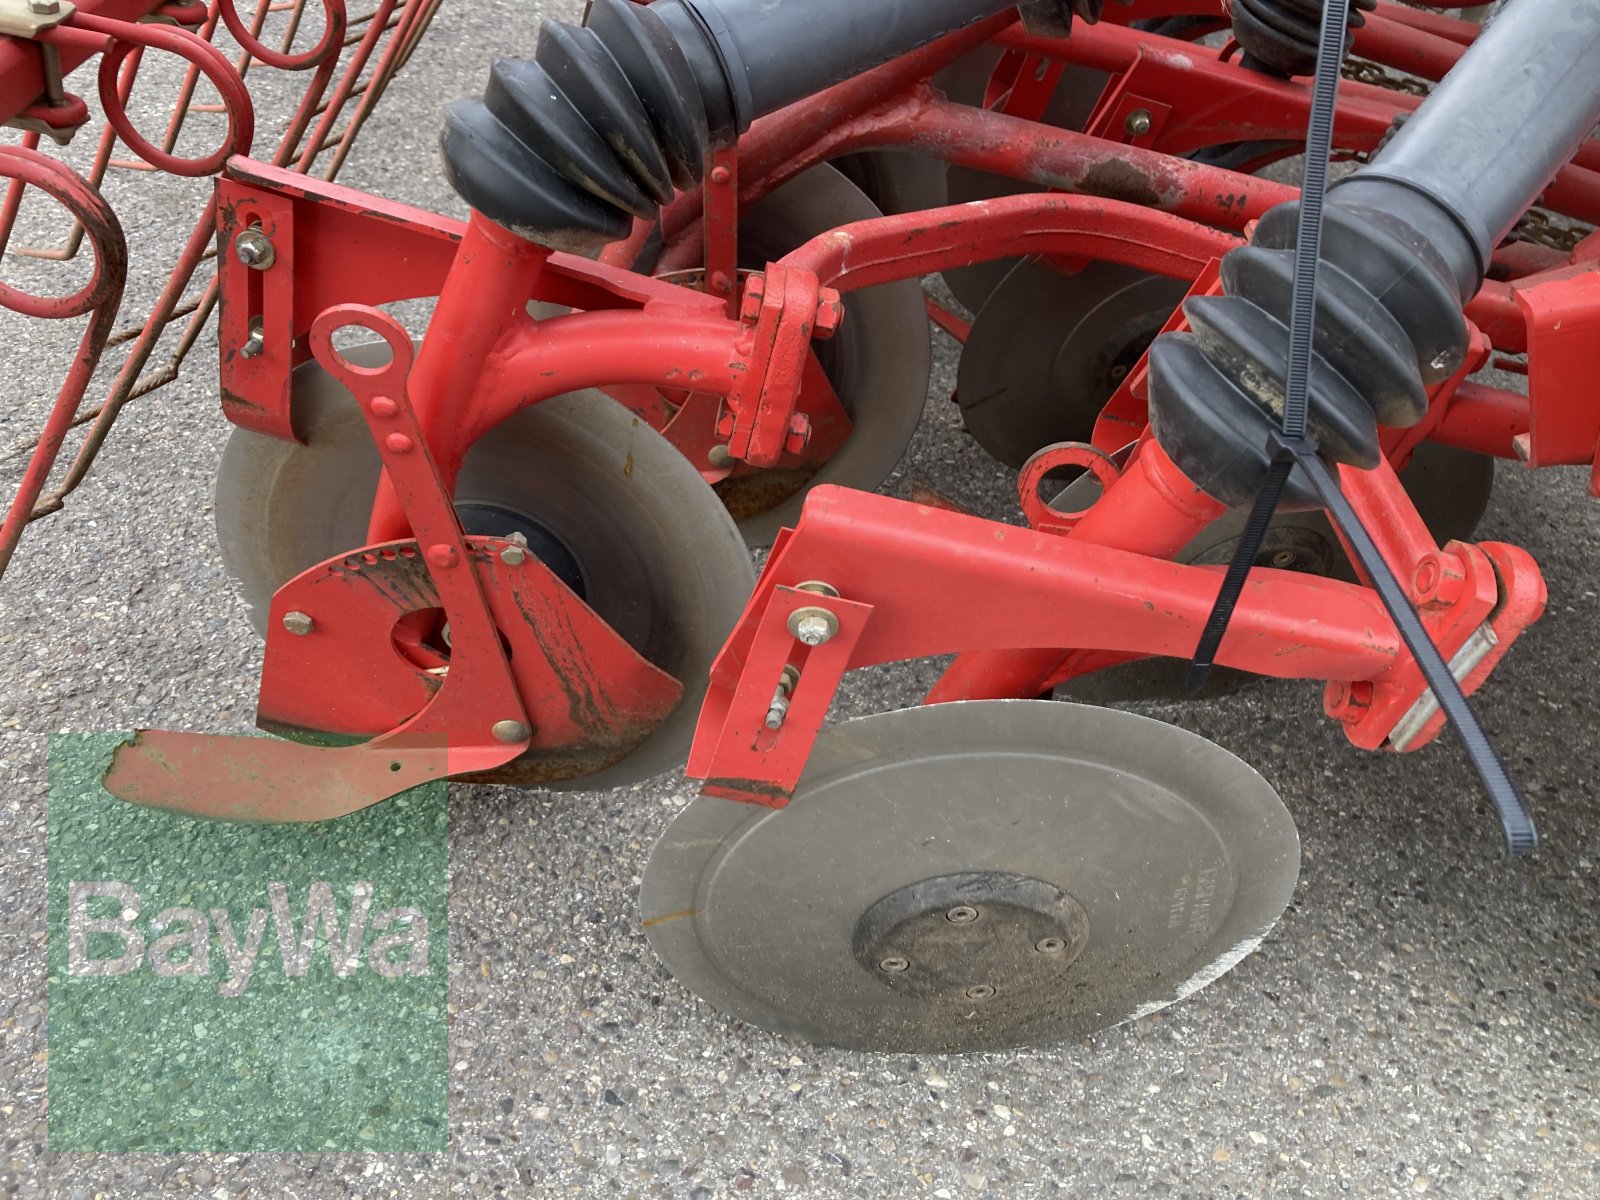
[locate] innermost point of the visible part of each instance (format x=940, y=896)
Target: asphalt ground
x=1424, y=1019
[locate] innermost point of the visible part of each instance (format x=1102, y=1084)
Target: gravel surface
x=1424, y=1019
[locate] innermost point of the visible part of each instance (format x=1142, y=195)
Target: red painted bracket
x=269, y=780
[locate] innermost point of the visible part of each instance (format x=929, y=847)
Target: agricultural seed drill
x=684, y=318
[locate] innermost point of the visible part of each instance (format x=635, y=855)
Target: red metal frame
x=717, y=358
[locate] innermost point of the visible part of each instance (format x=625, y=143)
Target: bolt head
x=513, y=556
x=399, y=443
x=962, y=914
x=720, y=175
x=511, y=732
x=1138, y=122
x=894, y=965
x=813, y=626
x=44, y=8
x=297, y=623
x=254, y=249
x=384, y=406
x=1050, y=945
x=979, y=991
x=442, y=555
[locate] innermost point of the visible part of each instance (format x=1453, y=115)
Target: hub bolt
x=978, y=991
x=962, y=914
x=297, y=623
x=894, y=965
x=511, y=732
x=1050, y=945
x=813, y=626
x=255, y=249
x=1138, y=122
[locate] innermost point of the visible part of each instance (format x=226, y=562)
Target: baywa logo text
x=176, y=942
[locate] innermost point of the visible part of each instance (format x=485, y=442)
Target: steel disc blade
x=878, y=361
x=975, y=876
x=896, y=181
x=616, y=507
x=1048, y=350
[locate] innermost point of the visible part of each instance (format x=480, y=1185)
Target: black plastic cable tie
x=1509, y=805
x=1292, y=447
x=1302, y=324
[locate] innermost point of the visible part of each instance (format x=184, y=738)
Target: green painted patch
x=219, y=986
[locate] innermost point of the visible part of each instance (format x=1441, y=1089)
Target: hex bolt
x=1138, y=122
x=962, y=914
x=894, y=964
x=979, y=991
x=813, y=626
x=779, y=708
x=256, y=342
x=44, y=8
x=297, y=623
x=511, y=732
x=1050, y=945
x=516, y=553
x=255, y=249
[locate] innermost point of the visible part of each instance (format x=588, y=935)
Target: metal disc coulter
x=975, y=876
x=603, y=501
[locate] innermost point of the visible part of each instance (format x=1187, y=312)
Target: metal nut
x=813, y=626
x=962, y=914
x=1138, y=122
x=511, y=732
x=297, y=623
x=894, y=965
x=255, y=249
x=45, y=8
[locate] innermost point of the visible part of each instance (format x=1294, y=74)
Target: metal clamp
x=28, y=19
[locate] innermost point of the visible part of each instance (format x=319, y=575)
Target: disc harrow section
x=685, y=318
x=974, y=877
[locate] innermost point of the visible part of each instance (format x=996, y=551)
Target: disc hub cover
x=975, y=876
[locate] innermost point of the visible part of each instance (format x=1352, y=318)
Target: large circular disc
x=975, y=876
x=878, y=362
x=1048, y=350
x=612, y=501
